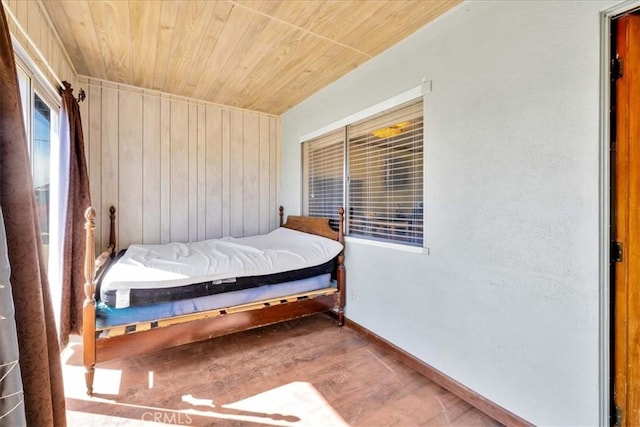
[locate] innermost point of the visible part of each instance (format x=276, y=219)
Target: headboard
x=318, y=226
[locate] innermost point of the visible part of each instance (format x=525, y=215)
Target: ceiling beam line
x=235, y=3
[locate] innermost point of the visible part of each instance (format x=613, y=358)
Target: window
x=40, y=158
x=40, y=108
x=383, y=166
x=323, y=170
x=41, y=120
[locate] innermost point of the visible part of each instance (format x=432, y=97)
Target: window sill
x=388, y=245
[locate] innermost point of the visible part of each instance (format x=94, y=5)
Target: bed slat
x=111, y=331
x=134, y=344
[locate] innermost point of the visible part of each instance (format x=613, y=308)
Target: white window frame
x=44, y=91
x=40, y=85
x=409, y=95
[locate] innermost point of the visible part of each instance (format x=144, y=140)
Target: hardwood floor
x=300, y=373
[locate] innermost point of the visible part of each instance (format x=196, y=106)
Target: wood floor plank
x=303, y=372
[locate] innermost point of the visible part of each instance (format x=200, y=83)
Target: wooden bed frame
x=99, y=345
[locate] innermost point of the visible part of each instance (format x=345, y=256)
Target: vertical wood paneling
x=165, y=169
x=34, y=22
x=12, y=26
x=84, y=114
x=202, y=179
x=213, y=174
x=179, y=172
x=109, y=156
x=46, y=39
x=251, y=174
x=93, y=140
x=52, y=47
x=274, y=177
x=225, y=173
x=22, y=13
x=151, y=160
x=193, y=172
x=236, y=173
x=58, y=63
x=56, y=56
x=130, y=176
x=264, y=181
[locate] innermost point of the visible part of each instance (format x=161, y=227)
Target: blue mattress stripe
x=108, y=316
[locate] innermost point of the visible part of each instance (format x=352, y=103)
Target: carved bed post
x=112, y=229
x=281, y=213
x=342, y=274
x=89, y=307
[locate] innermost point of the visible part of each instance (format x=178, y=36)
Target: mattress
x=151, y=274
x=108, y=316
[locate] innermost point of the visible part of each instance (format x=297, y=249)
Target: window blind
x=385, y=175
x=323, y=175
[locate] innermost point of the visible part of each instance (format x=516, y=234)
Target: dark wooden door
x=626, y=221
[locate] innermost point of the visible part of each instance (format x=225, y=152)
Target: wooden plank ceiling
x=260, y=55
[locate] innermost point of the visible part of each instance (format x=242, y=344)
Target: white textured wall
x=507, y=301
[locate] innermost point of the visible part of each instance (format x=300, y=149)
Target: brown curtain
x=77, y=202
x=37, y=339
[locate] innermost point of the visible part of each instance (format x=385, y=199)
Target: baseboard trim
x=478, y=401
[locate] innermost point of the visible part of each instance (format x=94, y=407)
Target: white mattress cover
x=178, y=264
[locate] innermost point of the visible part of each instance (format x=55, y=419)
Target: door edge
x=604, y=279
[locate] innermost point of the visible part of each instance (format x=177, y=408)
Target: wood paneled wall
x=178, y=169
x=45, y=47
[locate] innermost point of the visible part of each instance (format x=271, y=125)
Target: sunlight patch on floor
x=293, y=404
x=106, y=382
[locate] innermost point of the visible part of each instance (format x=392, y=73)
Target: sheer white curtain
x=11, y=395
x=59, y=197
